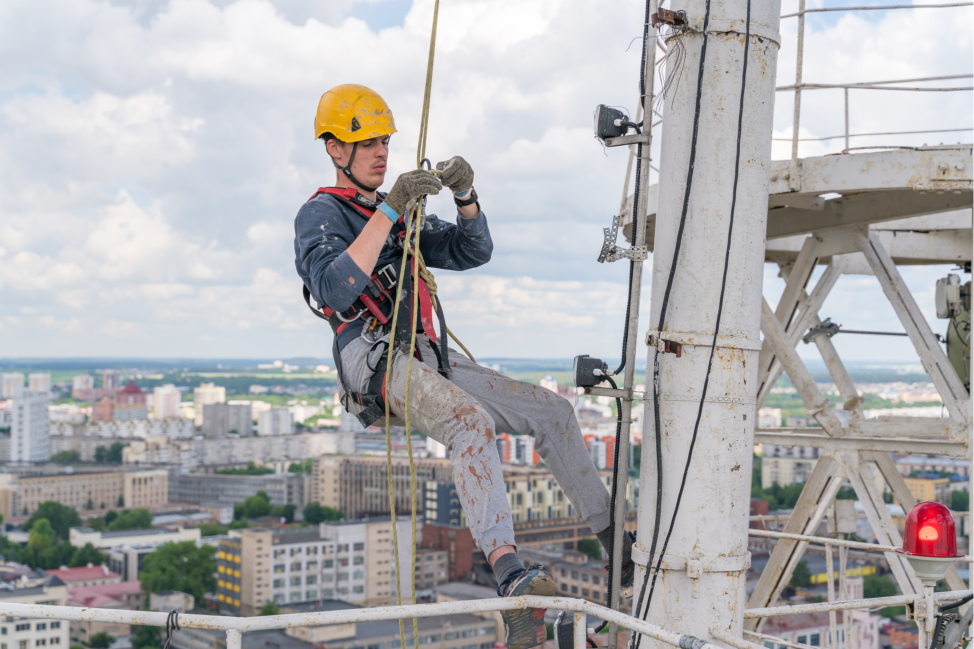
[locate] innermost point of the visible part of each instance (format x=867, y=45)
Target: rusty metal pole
x=701, y=585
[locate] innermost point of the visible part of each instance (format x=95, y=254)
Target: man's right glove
x=407, y=190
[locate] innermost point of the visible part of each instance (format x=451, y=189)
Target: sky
x=154, y=153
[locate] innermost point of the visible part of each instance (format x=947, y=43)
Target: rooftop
x=69, y=575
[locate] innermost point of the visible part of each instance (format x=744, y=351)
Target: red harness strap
x=348, y=194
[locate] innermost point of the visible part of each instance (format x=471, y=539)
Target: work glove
x=409, y=187
x=457, y=174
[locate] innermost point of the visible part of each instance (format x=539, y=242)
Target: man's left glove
x=457, y=174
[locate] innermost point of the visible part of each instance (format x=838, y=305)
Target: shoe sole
x=525, y=627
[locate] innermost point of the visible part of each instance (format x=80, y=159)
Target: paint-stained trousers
x=464, y=414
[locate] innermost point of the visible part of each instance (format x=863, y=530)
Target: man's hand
x=409, y=187
x=457, y=174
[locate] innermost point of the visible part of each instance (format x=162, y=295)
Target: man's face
x=369, y=165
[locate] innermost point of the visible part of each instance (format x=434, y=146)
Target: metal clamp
x=826, y=327
x=610, y=235
x=634, y=253
x=664, y=346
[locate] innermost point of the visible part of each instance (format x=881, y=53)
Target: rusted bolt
x=774, y=177
x=786, y=175
x=942, y=166
x=959, y=166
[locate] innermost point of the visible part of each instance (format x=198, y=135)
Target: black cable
x=953, y=605
x=612, y=500
x=172, y=625
x=636, y=188
x=720, y=305
x=936, y=631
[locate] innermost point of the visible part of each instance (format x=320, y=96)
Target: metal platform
x=920, y=199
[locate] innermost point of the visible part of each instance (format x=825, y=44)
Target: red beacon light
x=930, y=541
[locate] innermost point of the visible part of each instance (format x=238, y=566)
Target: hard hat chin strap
x=347, y=170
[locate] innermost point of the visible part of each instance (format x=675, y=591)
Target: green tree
x=85, y=555
x=285, y=511
x=110, y=516
x=592, y=548
x=270, y=608
x=132, y=519
x=252, y=469
x=146, y=637
x=114, y=454
x=212, y=529
x=315, y=513
x=960, y=501
x=66, y=457
x=97, y=524
x=180, y=566
x=101, y=640
x=101, y=455
x=43, y=549
x=301, y=467
x=253, y=507
x=60, y=517
x=878, y=586
x=801, y=577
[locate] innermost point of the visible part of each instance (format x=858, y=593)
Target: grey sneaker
x=525, y=627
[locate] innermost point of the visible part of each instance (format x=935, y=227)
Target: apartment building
x=785, y=465
x=222, y=419
x=464, y=631
x=205, y=394
x=577, y=576
x=431, y=568
x=220, y=489
x=347, y=560
x=358, y=485
x=29, y=429
x=79, y=536
x=813, y=629
x=459, y=546
x=929, y=486
x=189, y=454
x=23, y=633
x=106, y=432
x=22, y=491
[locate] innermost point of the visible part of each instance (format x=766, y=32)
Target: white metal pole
x=580, y=630
x=701, y=585
x=234, y=639
x=793, y=179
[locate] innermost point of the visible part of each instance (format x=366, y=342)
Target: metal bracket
x=610, y=234
x=668, y=17
x=623, y=140
x=634, y=253
x=664, y=346
x=826, y=327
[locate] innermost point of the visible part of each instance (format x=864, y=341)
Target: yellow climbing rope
x=419, y=270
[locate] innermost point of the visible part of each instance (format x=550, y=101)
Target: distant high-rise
x=130, y=403
x=276, y=421
x=109, y=379
x=166, y=401
x=83, y=382
x=40, y=382
x=12, y=385
x=222, y=419
x=206, y=394
x=29, y=434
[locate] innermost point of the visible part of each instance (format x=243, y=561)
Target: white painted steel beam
x=933, y=358
x=815, y=402
x=791, y=437
x=708, y=591
x=817, y=496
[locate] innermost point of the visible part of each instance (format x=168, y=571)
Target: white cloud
x=153, y=155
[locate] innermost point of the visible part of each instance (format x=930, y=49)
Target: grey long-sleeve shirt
x=326, y=226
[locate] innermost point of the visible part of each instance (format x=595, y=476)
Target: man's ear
x=335, y=149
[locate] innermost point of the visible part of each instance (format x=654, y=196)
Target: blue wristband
x=388, y=211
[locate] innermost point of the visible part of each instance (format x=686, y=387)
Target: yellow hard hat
x=353, y=113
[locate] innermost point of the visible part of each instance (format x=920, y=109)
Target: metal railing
x=921, y=614
x=799, y=85
x=236, y=626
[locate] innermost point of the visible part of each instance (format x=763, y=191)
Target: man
x=345, y=238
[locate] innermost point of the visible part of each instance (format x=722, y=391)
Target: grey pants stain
x=464, y=414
